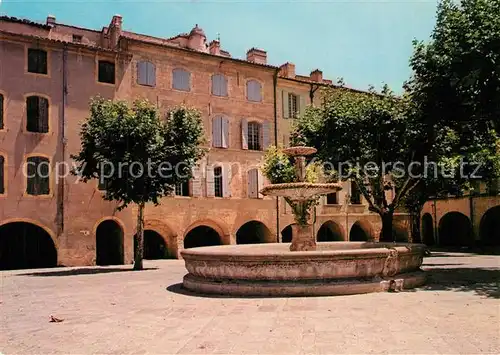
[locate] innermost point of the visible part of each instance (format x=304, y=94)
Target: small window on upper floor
x=293, y=105
x=254, y=138
x=219, y=85
x=181, y=79
x=77, y=38
x=182, y=189
x=106, y=72
x=1, y=111
x=220, y=132
x=2, y=174
x=38, y=176
x=37, y=61
x=331, y=199
x=254, y=91
x=146, y=73
x=218, y=183
x=37, y=114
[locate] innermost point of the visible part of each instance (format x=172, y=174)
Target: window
x=1, y=111
x=254, y=136
x=104, y=180
x=218, y=187
x=37, y=114
x=254, y=91
x=181, y=80
x=37, y=61
x=355, y=194
x=146, y=73
x=293, y=107
x=220, y=132
x=38, y=176
x=106, y=72
x=77, y=38
x=2, y=174
x=331, y=199
x=254, y=183
x=219, y=85
x=182, y=189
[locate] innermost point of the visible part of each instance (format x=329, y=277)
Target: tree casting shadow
x=83, y=271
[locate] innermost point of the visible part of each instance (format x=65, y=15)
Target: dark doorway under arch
x=359, y=232
x=330, y=232
x=400, y=232
x=428, y=229
x=26, y=246
x=253, y=232
x=286, y=234
x=489, y=229
x=455, y=229
x=154, y=245
x=109, y=243
x=201, y=236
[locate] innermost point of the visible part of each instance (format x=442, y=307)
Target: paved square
x=117, y=311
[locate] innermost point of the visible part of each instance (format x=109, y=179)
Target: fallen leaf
x=55, y=320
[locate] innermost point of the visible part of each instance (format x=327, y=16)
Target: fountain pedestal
x=303, y=238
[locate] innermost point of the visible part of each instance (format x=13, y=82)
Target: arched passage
x=155, y=246
x=201, y=236
x=455, y=229
x=427, y=229
x=330, y=232
x=286, y=234
x=489, y=229
x=360, y=232
x=25, y=246
x=253, y=232
x=109, y=243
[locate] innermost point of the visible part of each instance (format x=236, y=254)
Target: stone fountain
x=303, y=268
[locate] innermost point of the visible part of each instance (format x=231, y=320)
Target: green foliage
x=277, y=167
x=141, y=149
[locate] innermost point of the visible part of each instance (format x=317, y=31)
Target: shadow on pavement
x=83, y=271
x=179, y=289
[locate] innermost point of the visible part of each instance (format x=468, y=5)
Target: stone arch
x=253, y=232
x=427, y=229
x=160, y=242
x=330, y=231
x=286, y=234
x=26, y=244
x=202, y=236
x=219, y=227
x=109, y=236
x=455, y=229
x=361, y=231
x=489, y=228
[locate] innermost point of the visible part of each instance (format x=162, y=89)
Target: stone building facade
x=48, y=74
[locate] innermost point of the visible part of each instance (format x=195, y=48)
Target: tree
x=137, y=155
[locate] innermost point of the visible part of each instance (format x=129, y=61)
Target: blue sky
x=365, y=42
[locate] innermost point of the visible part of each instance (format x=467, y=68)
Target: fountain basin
x=300, y=191
x=336, y=268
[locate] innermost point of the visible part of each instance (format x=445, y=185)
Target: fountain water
x=303, y=268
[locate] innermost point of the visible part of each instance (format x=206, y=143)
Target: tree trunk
x=140, y=239
x=386, y=233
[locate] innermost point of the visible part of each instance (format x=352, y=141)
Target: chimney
x=51, y=20
x=214, y=47
x=256, y=55
x=115, y=30
x=317, y=75
x=287, y=70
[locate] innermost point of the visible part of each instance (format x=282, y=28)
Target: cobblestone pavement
x=118, y=311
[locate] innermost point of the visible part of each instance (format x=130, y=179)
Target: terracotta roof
x=24, y=22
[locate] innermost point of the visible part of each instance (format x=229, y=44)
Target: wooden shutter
x=210, y=181
x=181, y=80
x=216, y=132
x=302, y=104
x=43, y=115
x=284, y=101
x=44, y=177
x=2, y=174
x=226, y=180
x=216, y=85
x=1, y=111
x=151, y=71
x=32, y=114
x=266, y=131
x=253, y=183
x=244, y=133
x=31, y=175
x=196, y=182
x=225, y=132
x=260, y=183
x=223, y=85
x=142, y=73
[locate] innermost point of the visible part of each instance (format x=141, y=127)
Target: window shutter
x=252, y=183
x=244, y=133
x=302, y=104
x=260, y=183
x=215, y=85
x=44, y=178
x=226, y=180
x=223, y=85
x=142, y=73
x=210, y=182
x=1, y=111
x=2, y=174
x=284, y=101
x=266, y=131
x=196, y=182
x=225, y=132
x=43, y=115
x=151, y=74
x=216, y=132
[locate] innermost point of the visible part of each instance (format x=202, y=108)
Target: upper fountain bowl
x=299, y=151
x=300, y=191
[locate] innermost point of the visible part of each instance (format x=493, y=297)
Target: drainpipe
x=61, y=182
x=275, y=84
